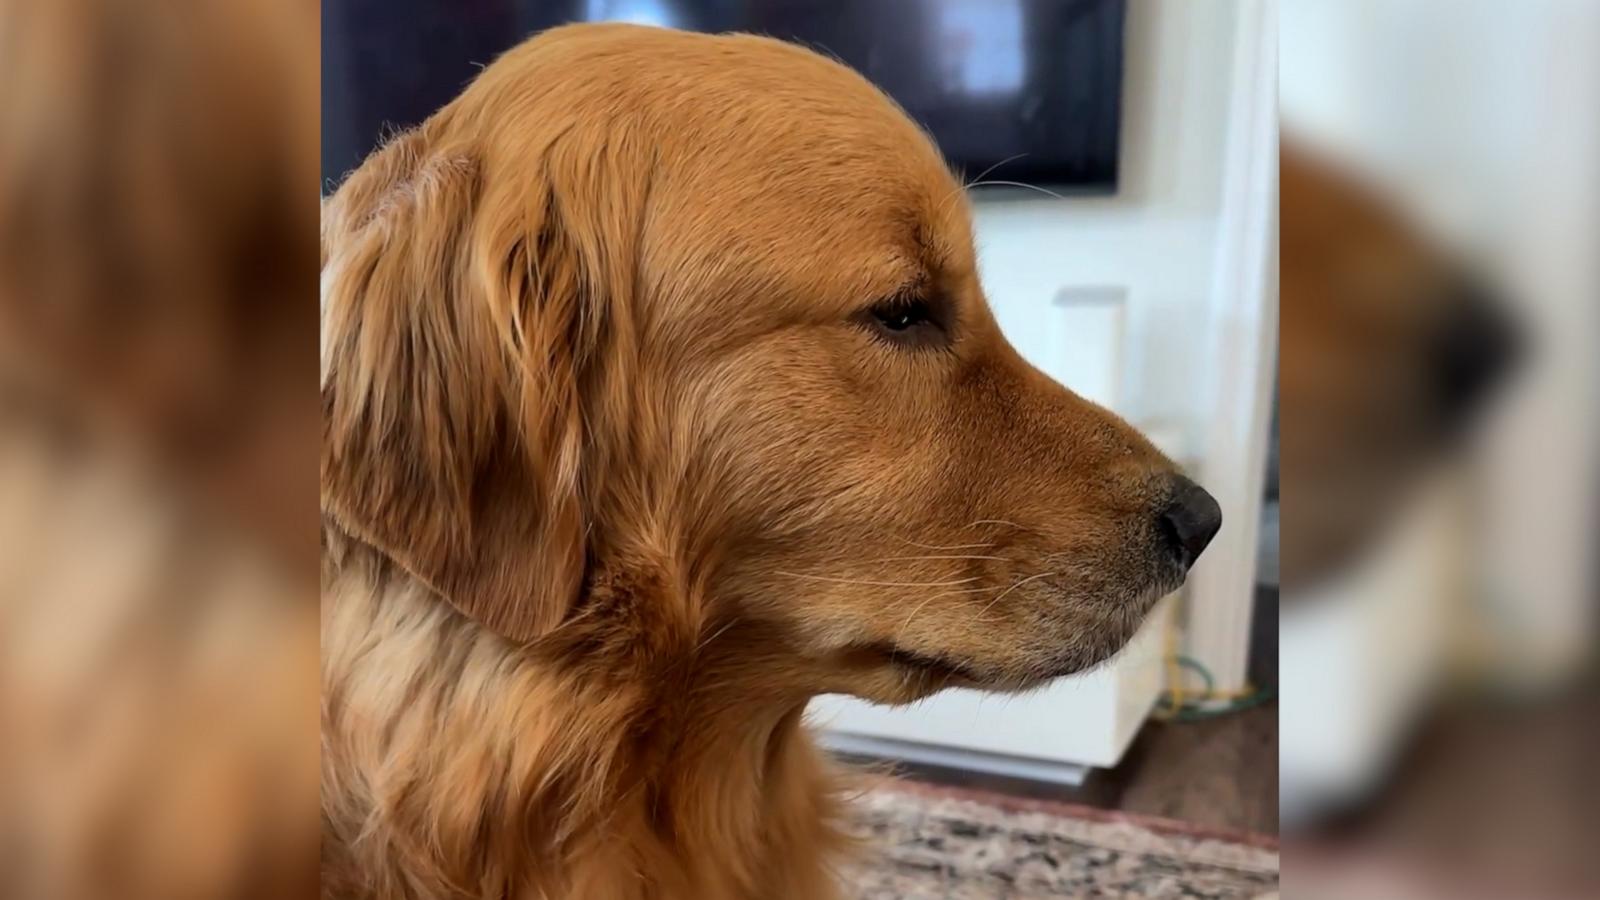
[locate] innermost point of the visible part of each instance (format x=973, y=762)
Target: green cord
x=1198, y=714
x=1194, y=664
x=1190, y=712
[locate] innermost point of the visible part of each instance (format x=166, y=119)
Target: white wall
x=1156, y=237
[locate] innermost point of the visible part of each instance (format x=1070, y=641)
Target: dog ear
x=454, y=329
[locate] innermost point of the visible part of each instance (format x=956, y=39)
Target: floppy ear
x=451, y=431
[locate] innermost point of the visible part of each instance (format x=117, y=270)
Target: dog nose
x=1191, y=519
x=1475, y=345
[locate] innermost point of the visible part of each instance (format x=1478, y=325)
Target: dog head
x=1389, y=348
x=687, y=331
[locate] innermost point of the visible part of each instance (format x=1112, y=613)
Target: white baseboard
x=1069, y=774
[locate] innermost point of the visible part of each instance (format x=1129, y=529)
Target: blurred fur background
x=1438, y=390
x=158, y=221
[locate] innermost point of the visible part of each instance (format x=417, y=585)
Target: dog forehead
x=771, y=165
x=836, y=232
x=765, y=163
x=707, y=106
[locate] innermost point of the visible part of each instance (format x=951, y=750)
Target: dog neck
x=617, y=761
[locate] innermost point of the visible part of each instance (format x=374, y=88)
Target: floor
x=943, y=843
x=1218, y=773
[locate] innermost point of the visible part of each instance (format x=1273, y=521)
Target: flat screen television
x=1028, y=89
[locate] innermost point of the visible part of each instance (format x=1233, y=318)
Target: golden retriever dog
x=1389, y=346
x=660, y=396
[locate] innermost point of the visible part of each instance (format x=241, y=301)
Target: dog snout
x=1190, y=520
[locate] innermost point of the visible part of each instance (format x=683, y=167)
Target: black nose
x=1474, y=346
x=1190, y=520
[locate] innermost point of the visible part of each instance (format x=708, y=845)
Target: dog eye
x=908, y=322
x=904, y=316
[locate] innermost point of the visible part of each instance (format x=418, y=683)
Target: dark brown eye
x=904, y=316
x=909, y=320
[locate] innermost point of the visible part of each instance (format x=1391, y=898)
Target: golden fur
x=1388, y=344
x=158, y=617
x=626, y=456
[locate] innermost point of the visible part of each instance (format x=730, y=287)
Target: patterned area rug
x=938, y=843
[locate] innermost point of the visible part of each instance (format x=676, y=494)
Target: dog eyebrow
x=932, y=254
x=912, y=288
x=919, y=273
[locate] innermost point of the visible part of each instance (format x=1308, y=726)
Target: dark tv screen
x=1029, y=90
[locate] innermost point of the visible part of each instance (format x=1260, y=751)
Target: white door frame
x=1243, y=339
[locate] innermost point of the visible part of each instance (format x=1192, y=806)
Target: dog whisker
x=1031, y=187
x=1002, y=594
x=987, y=172
x=961, y=188
x=947, y=546
x=900, y=632
x=954, y=556
x=969, y=590
x=1055, y=559
x=879, y=583
x=706, y=641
